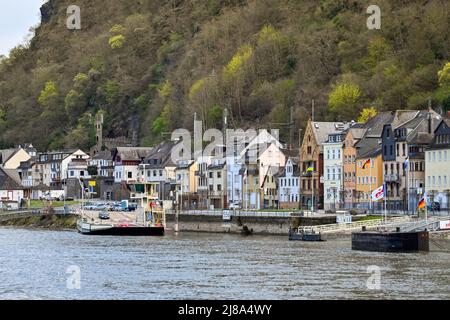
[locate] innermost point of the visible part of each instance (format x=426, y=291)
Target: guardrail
x=342, y=227
x=236, y=213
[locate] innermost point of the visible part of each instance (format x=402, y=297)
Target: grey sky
x=16, y=18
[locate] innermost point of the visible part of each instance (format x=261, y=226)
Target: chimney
x=430, y=122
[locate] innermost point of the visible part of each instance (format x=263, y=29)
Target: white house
x=332, y=171
x=289, y=185
x=437, y=166
x=126, y=163
x=11, y=192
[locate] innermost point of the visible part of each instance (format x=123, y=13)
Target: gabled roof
x=321, y=130
x=419, y=125
x=132, y=153
x=9, y=180
x=103, y=155
x=368, y=147
x=6, y=154
x=161, y=155
x=271, y=171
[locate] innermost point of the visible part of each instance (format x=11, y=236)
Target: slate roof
x=132, y=153
x=6, y=154
x=161, y=156
x=419, y=126
x=103, y=155
x=9, y=180
x=321, y=130
x=368, y=147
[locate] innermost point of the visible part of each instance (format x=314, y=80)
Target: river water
x=37, y=264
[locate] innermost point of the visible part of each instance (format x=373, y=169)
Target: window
x=130, y=175
x=72, y=173
x=219, y=174
x=81, y=173
x=219, y=187
x=211, y=175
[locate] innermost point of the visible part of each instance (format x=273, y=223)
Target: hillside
x=149, y=65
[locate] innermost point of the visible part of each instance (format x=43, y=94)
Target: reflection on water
x=33, y=265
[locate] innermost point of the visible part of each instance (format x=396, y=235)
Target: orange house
x=349, y=153
x=370, y=176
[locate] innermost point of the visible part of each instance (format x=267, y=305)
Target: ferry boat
x=305, y=234
x=153, y=225
x=120, y=229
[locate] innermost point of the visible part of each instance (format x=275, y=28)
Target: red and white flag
x=378, y=194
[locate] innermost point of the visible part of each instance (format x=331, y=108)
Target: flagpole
x=370, y=174
x=407, y=183
x=312, y=197
x=385, y=204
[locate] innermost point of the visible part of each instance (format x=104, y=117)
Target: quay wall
x=258, y=225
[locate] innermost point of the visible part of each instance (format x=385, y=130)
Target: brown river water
x=40, y=264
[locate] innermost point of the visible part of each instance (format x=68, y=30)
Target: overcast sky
x=16, y=19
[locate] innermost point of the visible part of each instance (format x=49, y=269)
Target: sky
x=16, y=19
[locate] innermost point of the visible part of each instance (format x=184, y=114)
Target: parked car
x=100, y=206
x=117, y=207
x=435, y=206
x=104, y=215
x=234, y=206
x=89, y=206
x=131, y=207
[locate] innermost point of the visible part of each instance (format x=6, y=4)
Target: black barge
x=391, y=241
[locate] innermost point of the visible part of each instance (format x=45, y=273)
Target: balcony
x=391, y=178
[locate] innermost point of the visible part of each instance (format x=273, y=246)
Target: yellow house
x=13, y=162
x=187, y=184
x=369, y=172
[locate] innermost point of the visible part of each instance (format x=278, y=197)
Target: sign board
x=322, y=179
x=343, y=218
x=444, y=225
x=226, y=215
x=92, y=183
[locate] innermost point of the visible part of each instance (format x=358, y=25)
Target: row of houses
x=406, y=150
x=337, y=166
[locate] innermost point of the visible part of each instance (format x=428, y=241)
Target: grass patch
x=369, y=218
x=38, y=204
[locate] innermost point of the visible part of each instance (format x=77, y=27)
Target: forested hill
x=151, y=64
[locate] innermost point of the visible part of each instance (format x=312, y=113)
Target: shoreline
x=57, y=222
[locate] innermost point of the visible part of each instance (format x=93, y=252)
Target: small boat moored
x=305, y=234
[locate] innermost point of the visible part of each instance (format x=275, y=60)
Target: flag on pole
x=310, y=169
x=406, y=163
x=378, y=194
x=368, y=162
x=422, y=203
